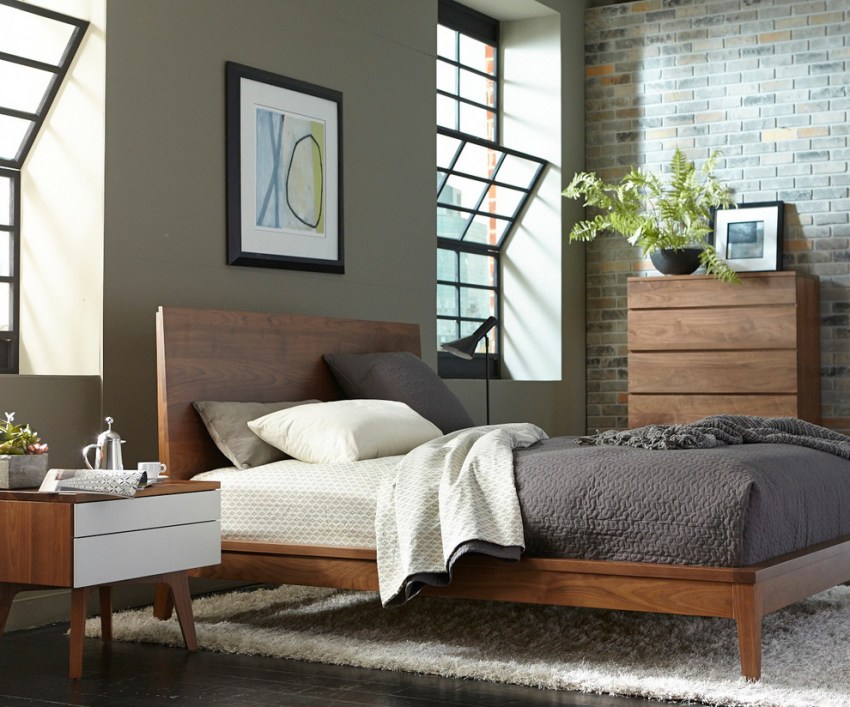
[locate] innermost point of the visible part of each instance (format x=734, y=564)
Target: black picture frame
x=284, y=172
x=749, y=237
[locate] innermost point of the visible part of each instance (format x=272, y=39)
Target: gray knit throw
x=720, y=430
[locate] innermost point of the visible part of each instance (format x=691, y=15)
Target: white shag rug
x=805, y=661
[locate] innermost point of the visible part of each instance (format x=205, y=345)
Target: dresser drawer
x=101, y=559
x=712, y=329
x=698, y=290
x=124, y=515
x=713, y=372
x=678, y=409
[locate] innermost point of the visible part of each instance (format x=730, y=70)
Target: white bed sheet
x=292, y=502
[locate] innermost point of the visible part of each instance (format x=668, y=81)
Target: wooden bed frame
x=232, y=356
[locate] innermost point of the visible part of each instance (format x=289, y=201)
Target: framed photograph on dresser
x=749, y=237
x=284, y=172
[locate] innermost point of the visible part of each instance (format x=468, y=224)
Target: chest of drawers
x=700, y=347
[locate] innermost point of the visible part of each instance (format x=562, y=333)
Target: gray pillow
x=227, y=423
x=403, y=377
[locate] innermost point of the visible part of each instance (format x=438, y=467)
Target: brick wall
x=767, y=82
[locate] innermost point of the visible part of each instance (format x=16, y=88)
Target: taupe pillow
x=227, y=423
x=403, y=377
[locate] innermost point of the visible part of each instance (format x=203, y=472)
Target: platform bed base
x=251, y=356
x=745, y=594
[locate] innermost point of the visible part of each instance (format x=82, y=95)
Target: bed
x=229, y=355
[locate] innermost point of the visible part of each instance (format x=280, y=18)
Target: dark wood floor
x=34, y=664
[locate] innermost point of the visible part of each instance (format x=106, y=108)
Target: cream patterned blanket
x=450, y=496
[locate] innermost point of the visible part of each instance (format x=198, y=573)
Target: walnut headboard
x=206, y=354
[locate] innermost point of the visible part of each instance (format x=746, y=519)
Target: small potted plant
x=669, y=221
x=23, y=456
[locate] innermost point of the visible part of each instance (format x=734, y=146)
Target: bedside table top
x=158, y=489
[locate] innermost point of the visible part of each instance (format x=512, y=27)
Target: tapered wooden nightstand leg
x=105, y=612
x=7, y=596
x=163, y=604
x=78, y=629
x=179, y=583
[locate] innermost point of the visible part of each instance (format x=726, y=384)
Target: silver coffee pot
x=107, y=450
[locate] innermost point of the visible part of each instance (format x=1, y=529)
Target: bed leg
x=748, y=616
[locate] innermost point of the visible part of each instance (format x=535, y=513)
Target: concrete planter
x=21, y=471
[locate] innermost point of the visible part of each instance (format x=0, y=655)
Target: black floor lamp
x=465, y=348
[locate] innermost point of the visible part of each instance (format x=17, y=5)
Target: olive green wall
x=165, y=182
x=61, y=409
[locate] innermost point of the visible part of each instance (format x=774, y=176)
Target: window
x=10, y=205
x=482, y=185
x=36, y=50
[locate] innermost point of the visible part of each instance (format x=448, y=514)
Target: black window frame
x=9, y=342
x=483, y=28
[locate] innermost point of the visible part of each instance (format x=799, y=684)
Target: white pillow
x=345, y=430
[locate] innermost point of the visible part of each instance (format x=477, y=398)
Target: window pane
x=502, y=201
x=466, y=328
x=13, y=132
x=477, y=121
x=446, y=265
x=474, y=87
x=477, y=232
x=33, y=37
x=446, y=331
x=477, y=160
x=446, y=150
x=516, y=170
x=460, y=191
x=441, y=180
x=475, y=303
x=5, y=201
x=446, y=78
x=5, y=254
x=5, y=306
x=451, y=223
x=446, y=43
x=477, y=55
x=486, y=229
x=447, y=300
x=477, y=269
x=21, y=87
x=447, y=112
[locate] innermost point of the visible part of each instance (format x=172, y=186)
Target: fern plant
x=654, y=215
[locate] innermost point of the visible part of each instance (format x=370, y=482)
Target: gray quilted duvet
x=725, y=506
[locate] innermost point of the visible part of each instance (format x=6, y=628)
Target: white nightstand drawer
x=120, y=516
x=101, y=559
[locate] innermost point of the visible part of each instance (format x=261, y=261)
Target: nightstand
x=84, y=541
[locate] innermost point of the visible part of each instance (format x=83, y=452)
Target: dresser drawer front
x=124, y=515
x=713, y=372
x=680, y=409
x=102, y=559
x=697, y=290
x=712, y=329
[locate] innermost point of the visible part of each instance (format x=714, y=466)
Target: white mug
x=152, y=469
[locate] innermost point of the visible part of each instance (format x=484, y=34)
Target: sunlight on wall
x=531, y=263
x=62, y=215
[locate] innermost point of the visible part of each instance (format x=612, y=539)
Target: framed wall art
x=284, y=172
x=749, y=237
